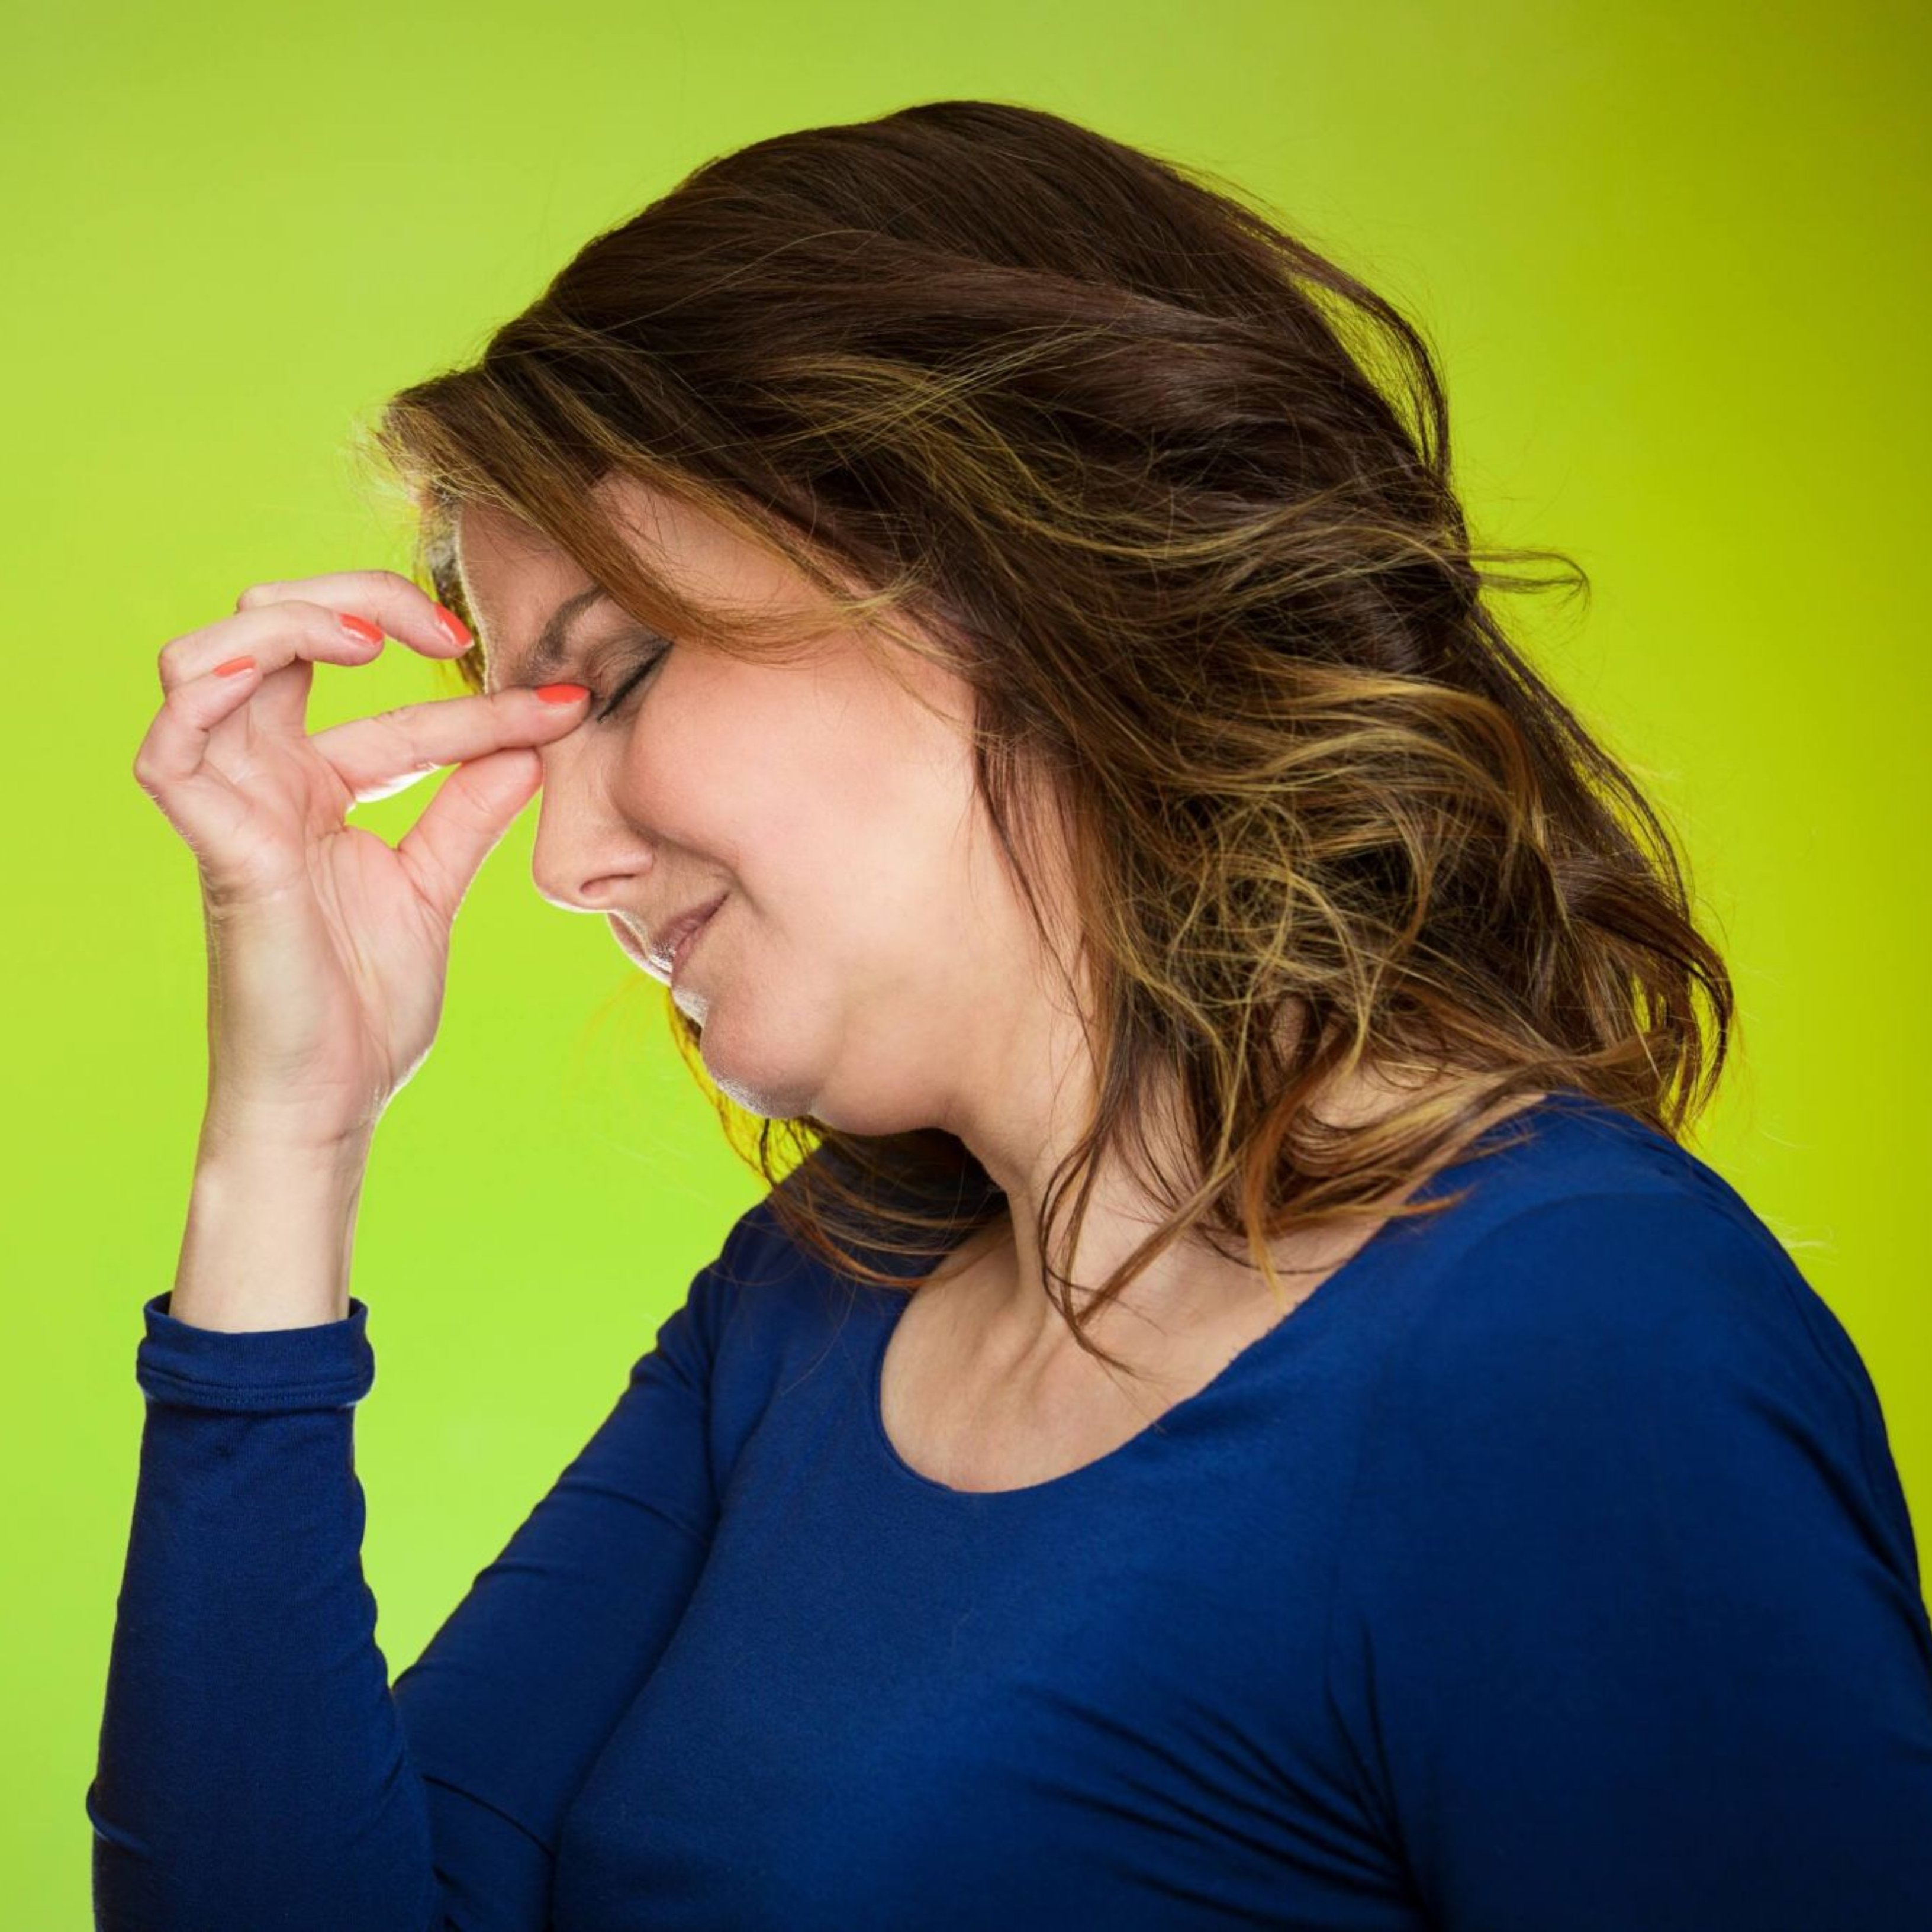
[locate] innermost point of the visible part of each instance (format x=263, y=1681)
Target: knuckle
x=255, y=594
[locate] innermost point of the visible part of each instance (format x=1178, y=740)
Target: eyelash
x=630, y=683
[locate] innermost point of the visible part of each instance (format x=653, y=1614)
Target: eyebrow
x=553, y=645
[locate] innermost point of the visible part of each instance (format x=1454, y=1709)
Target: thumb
x=443, y=850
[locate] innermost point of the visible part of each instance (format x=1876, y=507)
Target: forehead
x=511, y=573
x=539, y=616
x=504, y=557
x=525, y=592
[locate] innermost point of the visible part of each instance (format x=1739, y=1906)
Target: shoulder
x=1598, y=1349
x=1591, y=1233
x=1656, y=1291
x=769, y=1307
x=762, y=1289
x=1656, y=1266
x=1626, y=1561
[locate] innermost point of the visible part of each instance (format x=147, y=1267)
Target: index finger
x=403, y=610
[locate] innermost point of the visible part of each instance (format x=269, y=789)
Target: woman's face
x=871, y=962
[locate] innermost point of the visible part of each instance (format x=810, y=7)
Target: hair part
x=1171, y=493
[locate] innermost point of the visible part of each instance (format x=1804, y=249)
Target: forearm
x=252, y=1768
x=270, y=1230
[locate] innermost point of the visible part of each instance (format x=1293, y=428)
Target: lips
x=663, y=950
x=655, y=956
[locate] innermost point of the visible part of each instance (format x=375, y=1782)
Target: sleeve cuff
x=330, y=1365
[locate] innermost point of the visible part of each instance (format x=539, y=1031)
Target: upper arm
x=1628, y=1629
x=511, y=1700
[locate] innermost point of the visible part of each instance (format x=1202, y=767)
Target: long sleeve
x=1628, y=1630
x=255, y=1768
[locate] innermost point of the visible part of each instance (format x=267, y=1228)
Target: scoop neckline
x=1245, y=1361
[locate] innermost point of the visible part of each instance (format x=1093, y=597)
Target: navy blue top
x=1546, y=1569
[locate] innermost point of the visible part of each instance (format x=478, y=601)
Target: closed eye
x=637, y=677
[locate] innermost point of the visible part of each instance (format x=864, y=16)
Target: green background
x=1672, y=257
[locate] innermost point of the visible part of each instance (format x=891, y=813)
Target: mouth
x=683, y=937
x=665, y=956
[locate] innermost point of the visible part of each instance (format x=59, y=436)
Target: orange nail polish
x=458, y=630
x=563, y=693
x=360, y=629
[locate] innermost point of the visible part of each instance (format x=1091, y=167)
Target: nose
x=587, y=855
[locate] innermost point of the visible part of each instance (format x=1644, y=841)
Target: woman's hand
x=328, y=949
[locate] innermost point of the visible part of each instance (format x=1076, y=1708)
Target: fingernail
x=563, y=693
x=360, y=629
x=453, y=627
x=234, y=667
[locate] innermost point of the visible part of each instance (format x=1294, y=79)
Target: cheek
x=847, y=817
x=857, y=896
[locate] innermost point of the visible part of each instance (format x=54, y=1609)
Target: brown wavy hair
x=1171, y=491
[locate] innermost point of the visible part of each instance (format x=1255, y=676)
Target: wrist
x=279, y=1142
x=270, y=1229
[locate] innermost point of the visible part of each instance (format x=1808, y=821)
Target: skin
x=874, y=965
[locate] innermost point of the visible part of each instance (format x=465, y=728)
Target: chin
x=748, y=1079
x=758, y=1095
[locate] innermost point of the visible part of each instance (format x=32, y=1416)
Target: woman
x=1034, y=702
